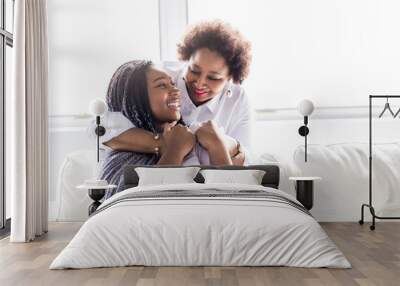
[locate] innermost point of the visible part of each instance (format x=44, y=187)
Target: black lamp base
x=305, y=193
x=96, y=195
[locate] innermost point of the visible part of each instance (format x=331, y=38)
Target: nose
x=200, y=81
x=174, y=91
x=174, y=88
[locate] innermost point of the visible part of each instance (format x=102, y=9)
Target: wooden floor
x=374, y=255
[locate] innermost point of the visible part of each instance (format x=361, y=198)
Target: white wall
x=173, y=22
x=88, y=40
x=333, y=52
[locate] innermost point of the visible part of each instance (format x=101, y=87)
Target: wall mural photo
x=181, y=82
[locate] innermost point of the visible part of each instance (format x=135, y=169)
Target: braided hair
x=127, y=93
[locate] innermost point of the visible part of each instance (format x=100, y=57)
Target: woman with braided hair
x=148, y=98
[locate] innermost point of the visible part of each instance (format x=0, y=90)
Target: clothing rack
x=370, y=205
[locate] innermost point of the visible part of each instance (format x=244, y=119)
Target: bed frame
x=270, y=179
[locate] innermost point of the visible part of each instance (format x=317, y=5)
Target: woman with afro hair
x=215, y=61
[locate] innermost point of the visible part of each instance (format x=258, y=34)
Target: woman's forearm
x=231, y=145
x=136, y=140
x=171, y=158
x=219, y=155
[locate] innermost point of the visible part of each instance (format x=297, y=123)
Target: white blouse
x=232, y=113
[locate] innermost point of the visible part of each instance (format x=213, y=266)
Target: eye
x=162, y=85
x=194, y=71
x=214, y=78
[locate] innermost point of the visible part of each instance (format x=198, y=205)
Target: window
x=6, y=44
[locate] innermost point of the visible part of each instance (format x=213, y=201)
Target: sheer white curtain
x=29, y=127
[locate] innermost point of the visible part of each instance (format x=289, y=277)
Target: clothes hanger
x=397, y=113
x=387, y=107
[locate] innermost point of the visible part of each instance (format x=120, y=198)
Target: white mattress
x=200, y=231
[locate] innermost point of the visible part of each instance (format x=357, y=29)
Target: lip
x=200, y=92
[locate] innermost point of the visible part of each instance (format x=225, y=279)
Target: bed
x=201, y=224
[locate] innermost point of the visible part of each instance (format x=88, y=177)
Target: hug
x=193, y=112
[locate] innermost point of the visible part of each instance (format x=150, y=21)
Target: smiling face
x=206, y=75
x=164, y=97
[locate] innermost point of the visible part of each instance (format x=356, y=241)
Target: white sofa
x=72, y=203
x=344, y=185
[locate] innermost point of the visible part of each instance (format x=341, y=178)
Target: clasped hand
x=179, y=140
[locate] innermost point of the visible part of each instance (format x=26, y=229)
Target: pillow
x=162, y=176
x=248, y=177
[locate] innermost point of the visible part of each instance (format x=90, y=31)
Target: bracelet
x=157, y=148
x=239, y=150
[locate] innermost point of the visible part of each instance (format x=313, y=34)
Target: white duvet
x=200, y=231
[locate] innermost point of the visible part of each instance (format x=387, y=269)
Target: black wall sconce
x=305, y=107
x=98, y=107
